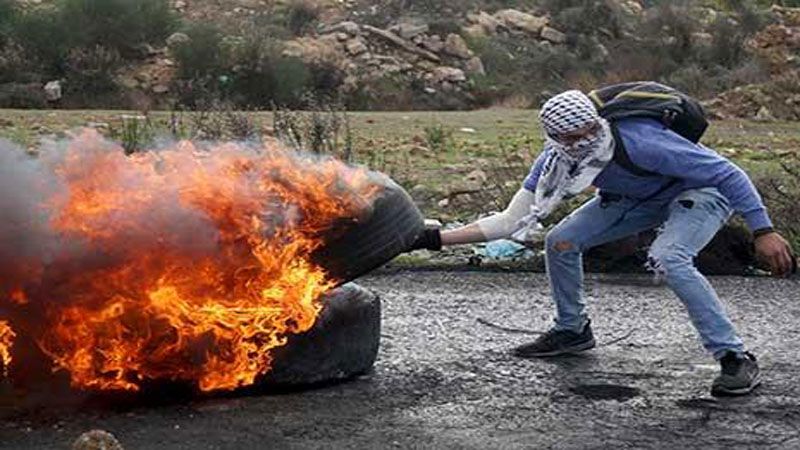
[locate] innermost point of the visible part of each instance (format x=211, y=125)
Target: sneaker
x=557, y=342
x=740, y=375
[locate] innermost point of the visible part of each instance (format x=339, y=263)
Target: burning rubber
x=214, y=265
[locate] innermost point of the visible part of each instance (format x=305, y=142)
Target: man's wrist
x=762, y=231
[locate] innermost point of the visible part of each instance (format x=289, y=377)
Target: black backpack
x=676, y=110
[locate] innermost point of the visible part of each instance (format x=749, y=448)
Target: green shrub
x=121, y=25
x=22, y=95
x=264, y=76
x=439, y=138
x=301, y=15
x=202, y=56
x=781, y=191
x=89, y=76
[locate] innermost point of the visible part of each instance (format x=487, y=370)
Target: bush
x=122, y=25
x=89, y=76
x=22, y=95
x=301, y=15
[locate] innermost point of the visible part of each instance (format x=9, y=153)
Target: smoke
x=187, y=262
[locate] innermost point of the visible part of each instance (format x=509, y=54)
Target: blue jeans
x=689, y=221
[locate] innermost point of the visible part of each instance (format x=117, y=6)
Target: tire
x=342, y=344
x=392, y=225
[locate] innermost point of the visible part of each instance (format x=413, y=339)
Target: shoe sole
x=725, y=392
x=583, y=346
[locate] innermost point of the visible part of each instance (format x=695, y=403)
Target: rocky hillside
x=416, y=54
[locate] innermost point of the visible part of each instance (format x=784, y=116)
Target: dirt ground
x=445, y=379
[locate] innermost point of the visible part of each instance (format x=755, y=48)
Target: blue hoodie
x=658, y=149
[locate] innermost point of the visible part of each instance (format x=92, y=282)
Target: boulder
x=348, y=27
x=52, y=91
x=485, y=21
x=553, y=35
x=456, y=46
x=518, y=20
x=355, y=47
x=444, y=74
x=474, y=66
x=409, y=30
x=433, y=43
x=176, y=39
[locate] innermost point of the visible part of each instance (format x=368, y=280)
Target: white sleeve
x=503, y=224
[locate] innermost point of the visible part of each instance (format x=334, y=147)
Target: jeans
x=689, y=221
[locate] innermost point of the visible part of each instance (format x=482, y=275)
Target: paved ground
x=444, y=379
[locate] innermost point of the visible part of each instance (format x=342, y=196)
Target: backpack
x=676, y=110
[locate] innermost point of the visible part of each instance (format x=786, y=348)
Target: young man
x=690, y=191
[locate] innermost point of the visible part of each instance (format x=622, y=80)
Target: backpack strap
x=622, y=158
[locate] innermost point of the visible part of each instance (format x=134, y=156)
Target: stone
x=474, y=66
x=342, y=36
x=764, y=115
x=477, y=175
x=355, y=47
x=52, y=91
x=702, y=39
x=455, y=45
x=402, y=43
x=444, y=74
x=96, y=440
x=348, y=27
x=485, y=21
x=433, y=43
x=553, y=35
x=160, y=89
x=408, y=30
x=343, y=342
x=176, y=39
x=519, y=20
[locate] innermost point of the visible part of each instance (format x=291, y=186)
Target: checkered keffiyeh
x=567, y=112
x=568, y=170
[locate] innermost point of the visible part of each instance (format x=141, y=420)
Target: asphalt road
x=444, y=379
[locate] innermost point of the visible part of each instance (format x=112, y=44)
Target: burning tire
x=343, y=342
x=391, y=226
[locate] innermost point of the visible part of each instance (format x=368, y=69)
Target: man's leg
x=593, y=224
x=694, y=218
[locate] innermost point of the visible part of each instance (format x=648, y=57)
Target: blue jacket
x=653, y=147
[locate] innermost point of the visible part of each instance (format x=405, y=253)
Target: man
x=690, y=192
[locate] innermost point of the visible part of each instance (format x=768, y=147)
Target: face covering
x=570, y=168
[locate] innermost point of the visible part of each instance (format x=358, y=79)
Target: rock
x=443, y=203
x=342, y=36
x=764, y=115
x=474, y=66
x=477, y=175
x=342, y=343
x=553, y=35
x=355, y=47
x=702, y=39
x=180, y=5
x=348, y=27
x=176, y=39
x=455, y=45
x=96, y=440
x=160, y=89
x=408, y=30
x=518, y=20
x=52, y=91
x=485, y=21
x=444, y=74
x=433, y=43
x=402, y=43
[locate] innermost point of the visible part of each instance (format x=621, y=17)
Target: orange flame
x=6, y=341
x=186, y=263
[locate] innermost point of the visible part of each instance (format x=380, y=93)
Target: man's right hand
x=429, y=239
x=773, y=249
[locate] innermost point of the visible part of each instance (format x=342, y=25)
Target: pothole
x=605, y=391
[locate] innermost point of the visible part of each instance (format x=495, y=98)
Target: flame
x=188, y=263
x=7, y=336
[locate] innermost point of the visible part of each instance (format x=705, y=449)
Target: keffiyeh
x=568, y=169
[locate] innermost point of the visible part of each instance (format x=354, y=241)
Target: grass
x=501, y=143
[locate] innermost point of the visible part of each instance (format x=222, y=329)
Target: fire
x=188, y=263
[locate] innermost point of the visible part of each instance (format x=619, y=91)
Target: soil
x=445, y=379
